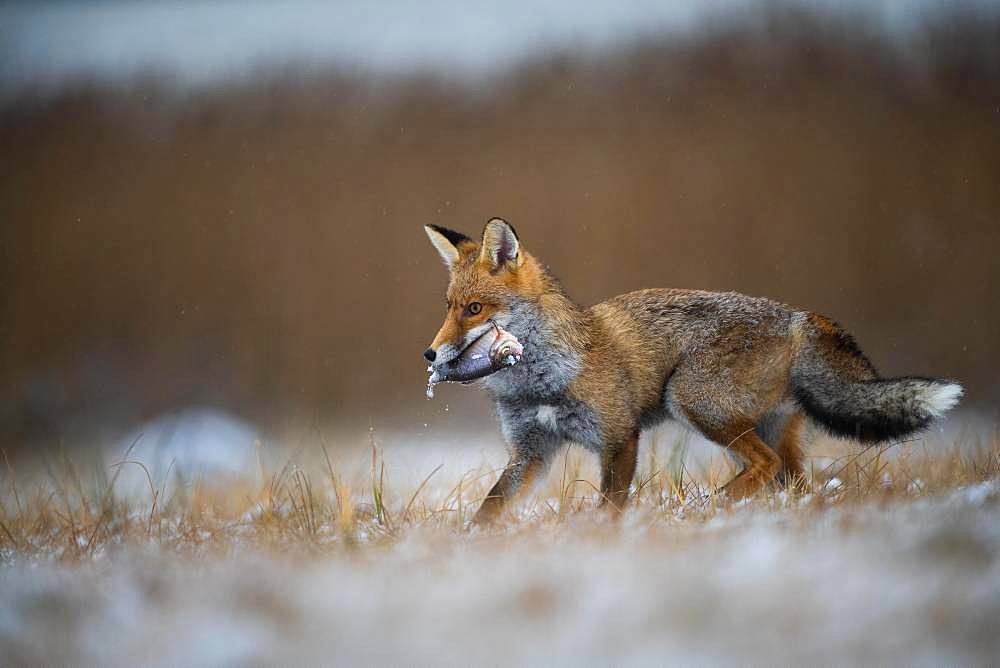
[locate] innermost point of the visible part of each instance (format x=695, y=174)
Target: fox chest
x=551, y=423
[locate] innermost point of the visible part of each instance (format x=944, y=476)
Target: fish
x=494, y=350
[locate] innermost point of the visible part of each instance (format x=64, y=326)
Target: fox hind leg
x=761, y=463
x=782, y=431
x=789, y=449
x=726, y=423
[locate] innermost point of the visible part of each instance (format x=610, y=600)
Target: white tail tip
x=939, y=399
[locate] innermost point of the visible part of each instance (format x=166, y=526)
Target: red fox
x=743, y=371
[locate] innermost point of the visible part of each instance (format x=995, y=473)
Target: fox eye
x=474, y=308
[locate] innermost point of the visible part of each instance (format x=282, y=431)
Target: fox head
x=488, y=279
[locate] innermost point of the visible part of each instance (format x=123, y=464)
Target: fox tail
x=838, y=387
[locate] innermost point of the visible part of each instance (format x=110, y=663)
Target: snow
x=908, y=582
x=184, y=447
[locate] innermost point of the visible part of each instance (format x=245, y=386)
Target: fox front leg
x=522, y=470
x=618, y=462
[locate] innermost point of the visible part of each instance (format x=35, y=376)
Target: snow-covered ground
x=256, y=552
x=913, y=582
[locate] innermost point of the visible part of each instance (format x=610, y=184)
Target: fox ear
x=500, y=245
x=446, y=242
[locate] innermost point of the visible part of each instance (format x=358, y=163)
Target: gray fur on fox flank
x=743, y=371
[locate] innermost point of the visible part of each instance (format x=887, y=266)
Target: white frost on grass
x=911, y=582
x=183, y=448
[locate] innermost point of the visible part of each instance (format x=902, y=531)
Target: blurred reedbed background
x=220, y=208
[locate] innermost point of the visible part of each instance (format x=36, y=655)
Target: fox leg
x=782, y=431
x=521, y=471
x=618, y=464
x=790, y=450
x=761, y=463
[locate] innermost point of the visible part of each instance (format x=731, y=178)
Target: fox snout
x=438, y=349
x=447, y=343
x=441, y=352
x=451, y=340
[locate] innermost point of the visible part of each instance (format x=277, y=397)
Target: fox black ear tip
x=453, y=237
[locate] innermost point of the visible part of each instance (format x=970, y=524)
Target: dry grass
x=882, y=556
x=307, y=502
